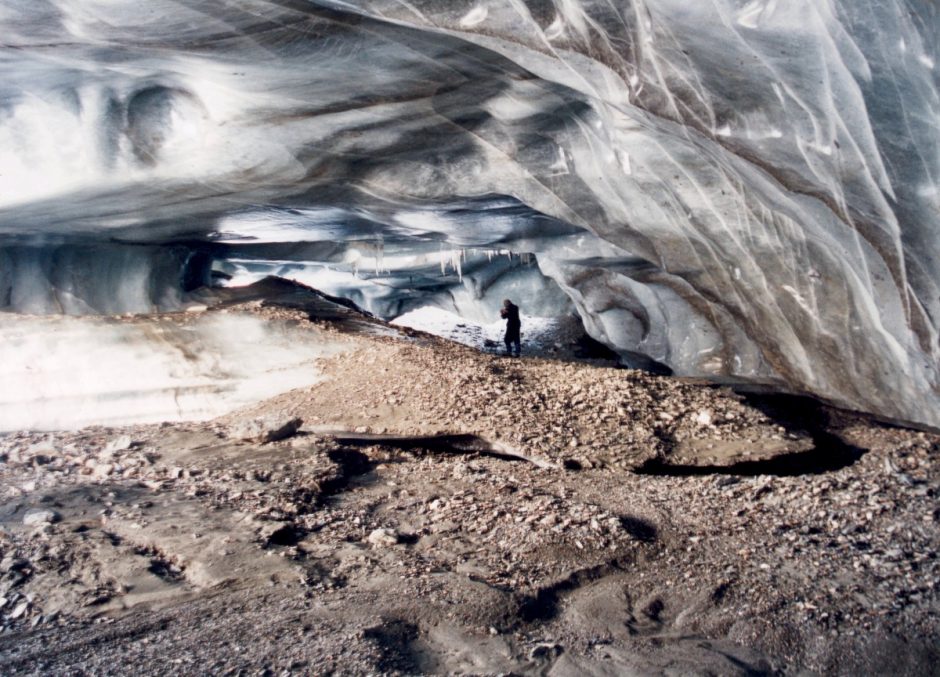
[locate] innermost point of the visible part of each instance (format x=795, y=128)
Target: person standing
x=510, y=313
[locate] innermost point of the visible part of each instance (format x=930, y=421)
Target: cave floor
x=442, y=510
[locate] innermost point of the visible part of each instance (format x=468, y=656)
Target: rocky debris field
x=430, y=509
x=565, y=412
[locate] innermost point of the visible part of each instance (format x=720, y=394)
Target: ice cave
x=745, y=190
x=255, y=415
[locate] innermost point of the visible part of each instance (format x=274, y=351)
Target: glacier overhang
x=733, y=188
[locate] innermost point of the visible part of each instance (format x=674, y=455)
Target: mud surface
x=442, y=510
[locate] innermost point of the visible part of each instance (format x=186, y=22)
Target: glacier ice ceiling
x=735, y=188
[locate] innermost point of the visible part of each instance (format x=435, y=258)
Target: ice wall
x=82, y=278
x=744, y=188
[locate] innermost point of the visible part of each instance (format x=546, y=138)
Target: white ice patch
x=555, y=28
x=797, y=297
x=560, y=166
x=309, y=225
x=756, y=13
x=69, y=372
x=474, y=17
x=625, y=162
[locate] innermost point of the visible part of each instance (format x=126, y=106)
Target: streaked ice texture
x=737, y=188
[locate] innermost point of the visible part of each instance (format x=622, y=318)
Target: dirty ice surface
x=60, y=372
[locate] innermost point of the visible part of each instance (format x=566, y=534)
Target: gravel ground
x=441, y=510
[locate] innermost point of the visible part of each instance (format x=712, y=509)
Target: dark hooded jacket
x=510, y=313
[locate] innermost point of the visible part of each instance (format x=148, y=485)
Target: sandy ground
x=441, y=510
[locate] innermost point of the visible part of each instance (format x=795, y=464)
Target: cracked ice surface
x=737, y=188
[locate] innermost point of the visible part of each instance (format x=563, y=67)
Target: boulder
x=383, y=538
x=35, y=517
x=265, y=429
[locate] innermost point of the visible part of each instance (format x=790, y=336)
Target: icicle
x=452, y=258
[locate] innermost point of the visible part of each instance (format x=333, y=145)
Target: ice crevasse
x=734, y=188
